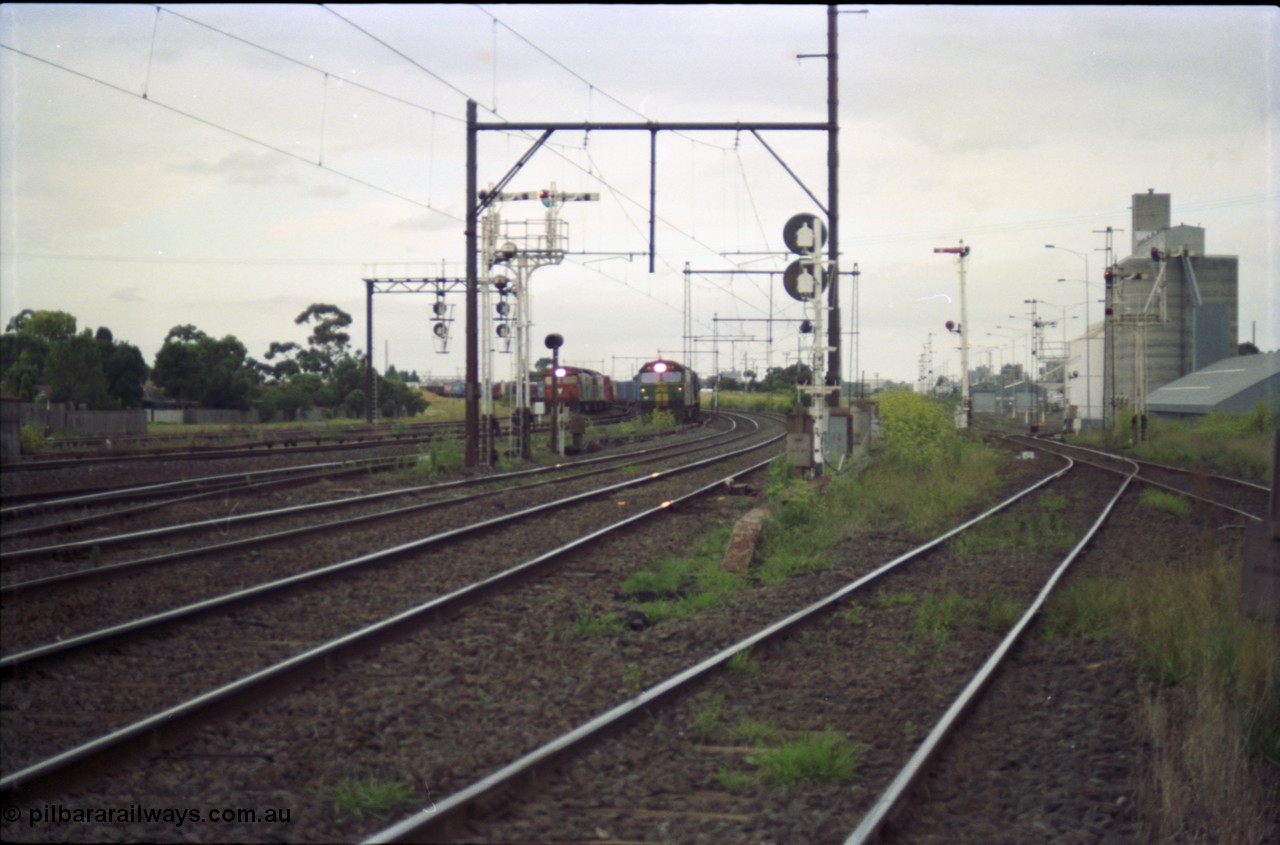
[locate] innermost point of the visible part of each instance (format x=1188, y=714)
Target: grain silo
x=1172, y=309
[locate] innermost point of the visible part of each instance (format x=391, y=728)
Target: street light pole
x=1088, y=342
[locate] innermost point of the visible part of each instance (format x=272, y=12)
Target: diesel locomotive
x=669, y=386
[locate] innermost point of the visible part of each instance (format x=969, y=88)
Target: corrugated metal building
x=1234, y=385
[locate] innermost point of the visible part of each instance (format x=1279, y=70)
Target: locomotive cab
x=669, y=386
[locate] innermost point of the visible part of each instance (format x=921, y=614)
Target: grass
x=708, y=719
x=369, y=796
x=1163, y=501
x=755, y=732
x=742, y=662
x=656, y=423
x=1043, y=525
x=587, y=624
x=676, y=587
x=827, y=757
x=938, y=617
x=1231, y=444
x=444, y=455
x=804, y=529
x=1212, y=675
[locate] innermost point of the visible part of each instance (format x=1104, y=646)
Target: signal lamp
x=441, y=330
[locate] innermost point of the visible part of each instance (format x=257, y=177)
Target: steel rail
x=11, y=662
x=150, y=731
x=311, y=507
x=80, y=522
x=220, y=483
x=1140, y=464
x=1143, y=462
x=160, y=487
x=900, y=787
x=288, y=444
x=458, y=804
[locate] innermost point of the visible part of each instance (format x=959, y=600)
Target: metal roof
x=1244, y=378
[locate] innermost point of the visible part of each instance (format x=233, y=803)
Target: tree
x=75, y=373
x=50, y=325
x=288, y=367
x=126, y=371
x=781, y=380
x=394, y=397
x=195, y=367
x=328, y=343
x=299, y=395
x=25, y=345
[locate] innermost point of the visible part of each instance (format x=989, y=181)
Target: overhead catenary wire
x=242, y=136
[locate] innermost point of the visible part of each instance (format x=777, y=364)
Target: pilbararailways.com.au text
x=51, y=814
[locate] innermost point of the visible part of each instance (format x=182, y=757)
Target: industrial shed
x=1234, y=385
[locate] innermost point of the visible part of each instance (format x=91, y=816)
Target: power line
x=345, y=80
x=159, y=259
x=230, y=131
x=404, y=56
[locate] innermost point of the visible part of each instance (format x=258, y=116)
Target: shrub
x=918, y=432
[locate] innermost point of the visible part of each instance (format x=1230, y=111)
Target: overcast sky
x=227, y=166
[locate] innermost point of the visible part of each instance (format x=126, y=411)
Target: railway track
x=437, y=711
x=249, y=639
x=49, y=588
x=688, y=770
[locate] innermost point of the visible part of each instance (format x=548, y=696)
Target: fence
x=56, y=416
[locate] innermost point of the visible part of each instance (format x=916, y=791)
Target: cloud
x=428, y=222
x=244, y=167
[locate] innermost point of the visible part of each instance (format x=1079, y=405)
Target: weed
x=677, y=587
x=856, y=614
x=1164, y=501
x=708, y=719
x=357, y=797
x=743, y=662
x=825, y=758
x=1042, y=527
x=444, y=455
x=633, y=679
x=665, y=579
x=936, y=617
x=1088, y=609
x=756, y=733
x=587, y=624
x=998, y=613
x=730, y=779
x=884, y=601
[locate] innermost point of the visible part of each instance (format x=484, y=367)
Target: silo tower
x=1171, y=308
